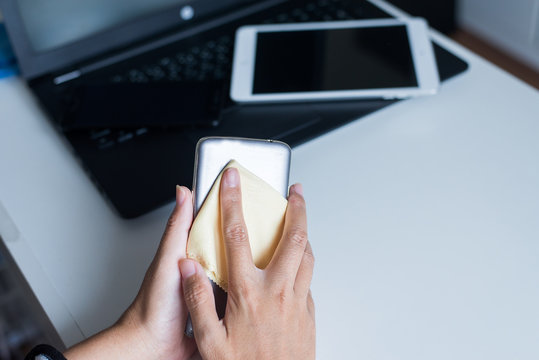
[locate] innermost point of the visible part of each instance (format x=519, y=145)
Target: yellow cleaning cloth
x=263, y=210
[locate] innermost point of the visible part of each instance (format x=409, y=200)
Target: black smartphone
x=164, y=104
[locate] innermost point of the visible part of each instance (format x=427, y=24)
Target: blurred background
x=22, y=321
x=504, y=32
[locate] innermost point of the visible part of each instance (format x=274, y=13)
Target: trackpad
x=276, y=121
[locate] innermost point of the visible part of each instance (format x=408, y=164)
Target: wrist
x=123, y=340
x=136, y=340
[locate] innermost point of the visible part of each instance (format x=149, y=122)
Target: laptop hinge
x=67, y=77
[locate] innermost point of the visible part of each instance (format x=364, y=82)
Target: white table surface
x=424, y=220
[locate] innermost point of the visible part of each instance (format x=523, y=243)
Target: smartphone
x=380, y=58
x=267, y=159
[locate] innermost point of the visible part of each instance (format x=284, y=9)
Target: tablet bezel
x=241, y=89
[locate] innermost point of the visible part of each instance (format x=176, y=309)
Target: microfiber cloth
x=8, y=63
x=264, y=211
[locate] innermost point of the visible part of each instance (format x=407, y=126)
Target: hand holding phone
x=272, y=315
x=267, y=159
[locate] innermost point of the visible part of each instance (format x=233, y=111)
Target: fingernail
x=231, y=177
x=297, y=188
x=187, y=268
x=180, y=195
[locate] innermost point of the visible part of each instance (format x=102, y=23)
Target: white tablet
x=382, y=58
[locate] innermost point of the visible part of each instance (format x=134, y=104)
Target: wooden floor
x=498, y=57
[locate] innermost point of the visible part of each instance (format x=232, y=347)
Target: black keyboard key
x=123, y=136
x=137, y=76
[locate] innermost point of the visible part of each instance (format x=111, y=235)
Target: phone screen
x=333, y=59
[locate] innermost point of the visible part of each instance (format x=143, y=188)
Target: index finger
x=237, y=248
x=289, y=253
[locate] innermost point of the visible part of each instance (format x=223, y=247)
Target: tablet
x=382, y=58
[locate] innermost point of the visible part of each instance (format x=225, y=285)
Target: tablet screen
x=333, y=59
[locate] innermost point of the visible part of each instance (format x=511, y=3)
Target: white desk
x=424, y=219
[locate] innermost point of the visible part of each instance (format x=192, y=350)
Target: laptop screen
x=54, y=23
x=54, y=35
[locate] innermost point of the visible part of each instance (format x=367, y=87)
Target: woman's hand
x=153, y=326
x=270, y=312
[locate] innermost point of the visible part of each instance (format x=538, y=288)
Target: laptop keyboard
x=212, y=60
x=321, y=10
x=208, y=61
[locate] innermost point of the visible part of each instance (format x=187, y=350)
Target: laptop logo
x=187, y=12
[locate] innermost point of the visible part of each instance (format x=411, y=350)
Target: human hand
x=159, y=308
x=270, y=312
x=153, y=326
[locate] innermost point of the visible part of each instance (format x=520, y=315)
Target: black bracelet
x=44, y=352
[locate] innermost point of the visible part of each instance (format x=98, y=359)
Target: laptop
x=65, y=45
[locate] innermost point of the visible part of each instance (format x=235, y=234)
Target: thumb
x=199, y=299
x=174, y=239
